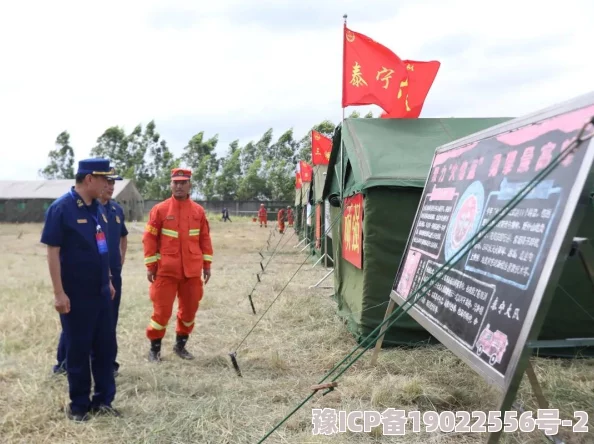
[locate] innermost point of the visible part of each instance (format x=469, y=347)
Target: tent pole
x=382, y=333
x=325, y=241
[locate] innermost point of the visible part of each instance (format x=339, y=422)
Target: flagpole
x=342, y=123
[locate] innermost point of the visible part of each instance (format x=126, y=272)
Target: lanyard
x=95, y=218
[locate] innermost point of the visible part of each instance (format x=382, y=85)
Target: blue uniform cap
x=97, y=167
x=114, y=176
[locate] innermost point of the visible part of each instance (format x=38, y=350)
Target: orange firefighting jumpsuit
x=263, y=216
x=290, y=217
x=177, y=245
x=281, y=220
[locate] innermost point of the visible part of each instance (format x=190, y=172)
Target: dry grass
x=203, y=401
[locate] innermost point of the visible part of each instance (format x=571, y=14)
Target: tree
x=113, y=145
x=253, y=185
x=200, y=156
x=159, y=170
x=61, y=160
x=228, y=180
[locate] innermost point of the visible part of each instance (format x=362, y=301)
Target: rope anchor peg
x=326, y=385
x=252, y=303
x=233, y=356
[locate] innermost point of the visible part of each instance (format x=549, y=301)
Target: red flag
x=371, y=73
x=321, y=147
x=411, y=96
x=305, y=170
x=297, y=180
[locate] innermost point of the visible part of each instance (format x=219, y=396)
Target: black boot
x=180, y=347
x=155, y=351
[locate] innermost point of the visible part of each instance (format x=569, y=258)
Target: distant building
x=27, y=200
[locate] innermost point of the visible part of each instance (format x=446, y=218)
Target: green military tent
x=297, y=210
x=319, y=217
x=303, y=225
x=388, y=160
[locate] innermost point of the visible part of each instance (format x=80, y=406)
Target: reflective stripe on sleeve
x=150, y=229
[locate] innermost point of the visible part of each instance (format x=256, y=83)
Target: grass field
x=203, y=401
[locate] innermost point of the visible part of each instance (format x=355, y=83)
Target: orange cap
x=180, y=174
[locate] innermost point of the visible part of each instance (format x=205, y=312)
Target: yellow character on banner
x=356, y=229
x=357, y=78
x=347, y=229
x=404, y=84
x=387, y=75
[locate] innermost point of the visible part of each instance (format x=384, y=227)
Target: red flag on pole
x=413, y=92
x=297, y=180
x=321, y=147
x=305, y=170
x=371, y=73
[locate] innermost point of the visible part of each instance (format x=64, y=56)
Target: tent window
x=46, y=205
x=1, y=207
x=21, y=206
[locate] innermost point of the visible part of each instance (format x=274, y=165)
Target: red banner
x=371, y=73
x=318, y=226
x=321, y=147
x=305, y=170
x=352, y=230
x=297, y=180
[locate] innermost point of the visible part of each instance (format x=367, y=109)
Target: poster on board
x=484, y=307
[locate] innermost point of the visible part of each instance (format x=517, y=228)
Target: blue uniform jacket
x=116, y=230
x=71, y=225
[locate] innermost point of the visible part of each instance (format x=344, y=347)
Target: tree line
x=260, y=170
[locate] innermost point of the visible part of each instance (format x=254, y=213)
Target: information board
x=484, y=307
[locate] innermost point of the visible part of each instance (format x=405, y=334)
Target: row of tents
x=388, y=161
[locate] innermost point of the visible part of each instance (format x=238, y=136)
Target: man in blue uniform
x=117, y=244
x=78, y=260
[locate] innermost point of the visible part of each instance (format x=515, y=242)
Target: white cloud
x=83, y=67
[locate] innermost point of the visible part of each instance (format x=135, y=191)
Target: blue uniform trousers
x=89, y=345
x=61, y=352
x=117, y=284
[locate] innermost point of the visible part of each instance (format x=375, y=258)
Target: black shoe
x=60, y=369
x=155, y=351
x=180, y=347
x=77, y=417
x=154, y=356
x=104, y=410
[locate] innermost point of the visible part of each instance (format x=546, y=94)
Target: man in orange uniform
x=290, y=217
x=263, y=216
x=281, y=220
x=177, y=250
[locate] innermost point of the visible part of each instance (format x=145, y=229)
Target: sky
x=236, y=68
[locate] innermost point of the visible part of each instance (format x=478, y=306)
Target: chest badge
x=81, y=221
x=170, y=217
x=80, y=203
x=118, y=219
